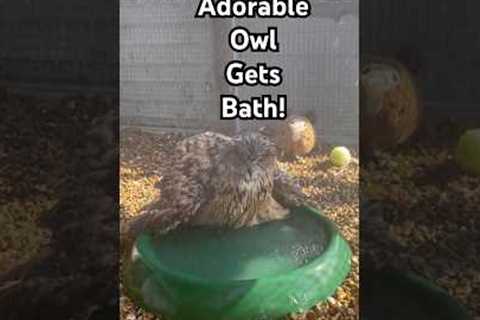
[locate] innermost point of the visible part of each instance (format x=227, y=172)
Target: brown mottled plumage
x=219, y=180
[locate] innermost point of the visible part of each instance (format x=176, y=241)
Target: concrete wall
x=171, y=65
x=167, y=64
x=319, y=57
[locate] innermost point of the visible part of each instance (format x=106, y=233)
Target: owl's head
x=257, y=148
x=251, y=149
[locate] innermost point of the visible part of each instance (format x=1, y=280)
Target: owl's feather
x=218, y=180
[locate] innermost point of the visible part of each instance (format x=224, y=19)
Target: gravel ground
x=333, y=190
x=37, y=134
x=58, y=238
x=427, y=218
x=435, y=204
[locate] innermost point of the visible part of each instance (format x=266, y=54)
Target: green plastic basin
x=263, y=272
x=390, y=294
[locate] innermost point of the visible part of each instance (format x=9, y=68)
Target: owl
x=217, y=180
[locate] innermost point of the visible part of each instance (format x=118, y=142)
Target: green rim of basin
x=391, y=294
x=200, y=275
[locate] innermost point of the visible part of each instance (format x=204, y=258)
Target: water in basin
x=244, y=254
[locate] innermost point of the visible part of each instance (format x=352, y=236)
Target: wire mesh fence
x=172, y=67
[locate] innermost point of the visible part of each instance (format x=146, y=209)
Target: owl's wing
x=287, y=191
x=165, y=215
x=166, y=218
x=185, y=188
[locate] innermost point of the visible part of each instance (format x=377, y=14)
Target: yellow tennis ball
x=467, y=154
x=340, y=156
